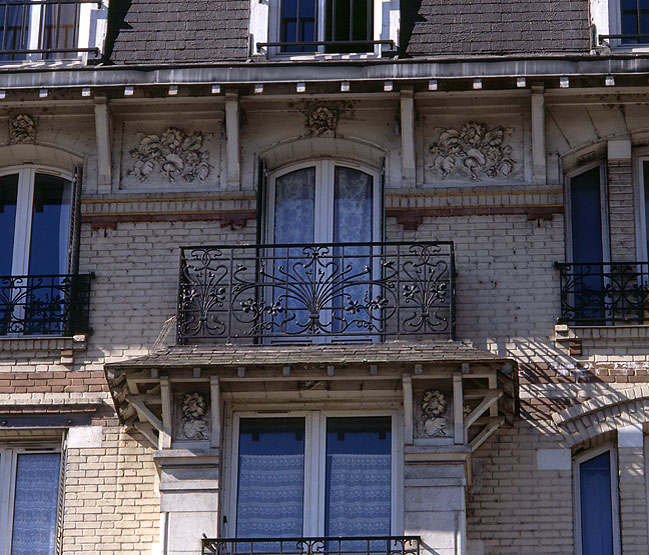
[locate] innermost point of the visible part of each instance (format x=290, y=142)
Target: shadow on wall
x=117, y=11
x=409, y=17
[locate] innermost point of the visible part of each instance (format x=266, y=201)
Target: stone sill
x=564, y=332
x=65, y=347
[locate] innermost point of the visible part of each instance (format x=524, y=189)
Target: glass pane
x=357, y=488
x=596, y=508
x=8, y=200
x=295, y=207
x=270, y=494
x=349, y=20
x=298, y=24
x=586, y=217
x=14, y=34
x=50, y=225
x=35, y=504
x=59, y=29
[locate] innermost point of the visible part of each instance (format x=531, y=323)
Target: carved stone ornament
x=433, y=407
x=474, y=149
x=22, y=129
x=322, y=117
x=194, y=423
x=174, y=154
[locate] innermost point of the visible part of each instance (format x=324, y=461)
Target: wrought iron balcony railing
x=337, y=292
x=41, y=29
x=44, y=305
x=388, y=545
x=606, y=293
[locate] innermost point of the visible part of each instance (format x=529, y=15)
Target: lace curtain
x=271, y=493
x=35, y=504
x=358, y=495
x=294, y=207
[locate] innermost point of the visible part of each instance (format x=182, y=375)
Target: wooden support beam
x=164, y=441
x=103, y=134
x=143, y=411
x=232, y=140
x=215, y=401
x=493, y=386
x=148, y=432
x=408, y=410
x=486, y=433
x=488, y=402
x=458, y=410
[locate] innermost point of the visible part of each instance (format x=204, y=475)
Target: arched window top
x=49, y=158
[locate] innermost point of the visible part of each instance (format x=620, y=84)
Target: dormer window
x=293, y=28
x=621, y=23
x=32, y=30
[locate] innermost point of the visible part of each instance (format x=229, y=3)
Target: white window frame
x=641, y=217
x=615, y=501
x=8, y=465
x=91, y=33
x=606, y=16
x=314, y=465
x=603, y=191
x=324, y=197
x=265, y=26
x=24, y=205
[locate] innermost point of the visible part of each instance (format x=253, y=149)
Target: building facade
x=324, y=276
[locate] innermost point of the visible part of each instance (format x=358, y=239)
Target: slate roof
x=374, y=353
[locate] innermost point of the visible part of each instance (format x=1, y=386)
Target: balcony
x=390, y=545
x=44, y=305
x=32, y=30
x=601, y=294
x=336, y=292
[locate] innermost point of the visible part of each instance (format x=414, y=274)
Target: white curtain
x=358, y=495
x=35, y=504
x=271, y=493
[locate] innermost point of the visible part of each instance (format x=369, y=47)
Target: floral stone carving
x=322, y=117
x=173, y=153
x=194, y=423
x=433, y=406
x=22, y=129
x=475, y=149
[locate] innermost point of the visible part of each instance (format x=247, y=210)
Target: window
x=643, y=211
x=35, y=220
x=331, y=27
x=621, y=23
x=57, y=30
x=313, y=474
x=29, y=497
x=634, y=21
x=596, y=503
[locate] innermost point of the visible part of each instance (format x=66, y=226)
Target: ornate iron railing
x=44, y=305
x=344, y=292
x=386, y=545
x=607, y=293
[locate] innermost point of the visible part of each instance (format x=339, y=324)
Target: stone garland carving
x=433, y=406
x=22, y=129
x=474, y=148
x=322, y=117
x=173, y=153
x=194, y=423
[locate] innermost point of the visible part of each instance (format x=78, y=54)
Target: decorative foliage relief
x=22, y=129
x=433, y=407
x=174, y=153
x=194, y=423
x=322, y=117
x=475, y=149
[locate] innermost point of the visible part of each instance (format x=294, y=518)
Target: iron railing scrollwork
x=340, y=291
x=44, y=305
x=371, y=545
x=604, y=293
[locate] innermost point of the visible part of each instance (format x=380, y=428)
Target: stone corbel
x=103, y=130
x=538, y=136
x=232, y=140
x=408, y=165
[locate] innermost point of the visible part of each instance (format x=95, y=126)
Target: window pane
x=298, y=24
x=357, y=485
x=349, y=20
x=50, y=225
x=270, y=494
x=14, y=34
x=645, y=167
x=8, y=200
x=586, y=217
x=59, y=29
x=596, y=509
x=294, y=206
x=35, y=504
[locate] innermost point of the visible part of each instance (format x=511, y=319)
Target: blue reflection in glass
x=8, y=201
x=596, y=506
